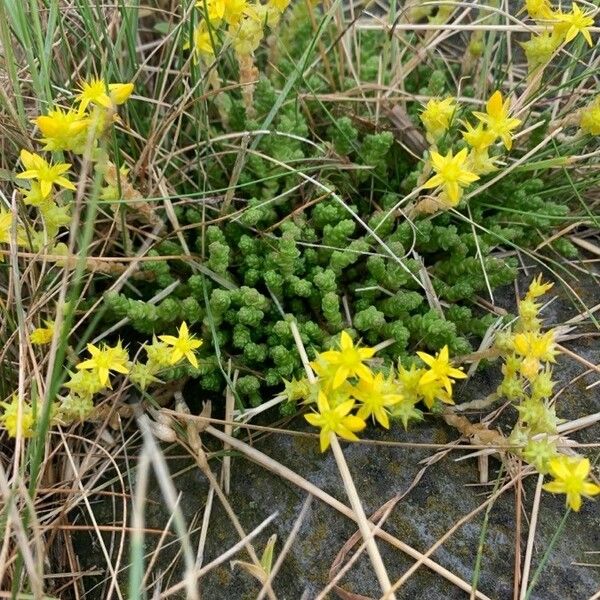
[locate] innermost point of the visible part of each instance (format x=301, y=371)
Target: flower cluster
x=454, y=172
x=240, y=24
x=74, y=130
x=560, y=29
x=93, y=375
x=528, y=355
x=346, y=383
x=96, y=374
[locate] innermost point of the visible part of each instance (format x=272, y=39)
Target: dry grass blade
x=531, y=537
x=363, y=524
x=286, y=547
x=197, y=574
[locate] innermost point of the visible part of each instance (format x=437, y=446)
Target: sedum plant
x=349, y=389
x=319, y=216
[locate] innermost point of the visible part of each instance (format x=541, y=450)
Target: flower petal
x=582, y=468
x=324, y=439
x=346, y=341
x=192, y=358
x=315, y=419
x=494, y=105
x=340, y=376
x=432, y=182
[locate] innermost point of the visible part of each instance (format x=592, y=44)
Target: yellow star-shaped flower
x=440, y=369
x=497, y=118
x=437, y=115
x=62, y=129
x=478, y=137
x=589, y=117
x=182, y=346
x=42, y=335
x=335, y=420
x=376, y=396
x=576, y=22
x=15, y=413
x=452, y=174
x=571, y=478
x=104, y=360
x=97, y=92
x=348, y=361
x=47, y=174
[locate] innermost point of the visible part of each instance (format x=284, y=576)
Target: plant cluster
x=93, y=376
x=313, y=226
x=560, y=28
x=349, y=388
x=78, y=130
x=345, y=382
x=456, y=172
x=528, y=355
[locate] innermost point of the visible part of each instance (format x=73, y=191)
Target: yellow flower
x=589, y=117
x=9, y=418
x=42, y=335
x=452, y=174
x=182, y=346
x=570, y=478
x=574, y=23
x=348, y=361
x=430, y=391
x=335, y=420
x=531, y=344
x=437, y=115
x=537, y=288
x=478, y=137
x=279, y=5
x=215, y=9
x=120, y=92
x=33, y=196
x=62, y=129
x=45, y=173
x=97, y=92
x=158, y=354
x=480, y=162
x=5, y=225
x=497, y=118
x=93, y=92
x=247, y=36
x=84, y=384
x=539, y=9
x=235, y=10
x=375, y=397
x=104, y=360
x=6, y=222
x=409, y=381
x=440, y=369
x=202, y=40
